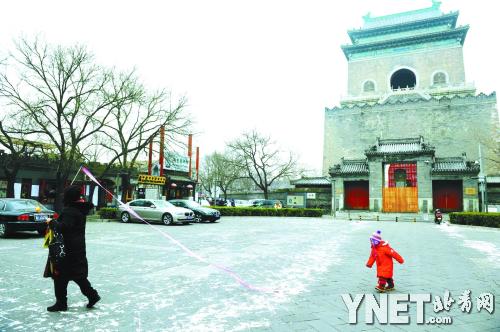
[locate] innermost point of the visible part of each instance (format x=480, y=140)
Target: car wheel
x=197, y=217
x=125, y=217
x=3, y=230
x=167, y=219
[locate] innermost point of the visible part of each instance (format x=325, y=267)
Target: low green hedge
x=254, y=211
x=113, y=213
x=490, y=219
x=108, y=213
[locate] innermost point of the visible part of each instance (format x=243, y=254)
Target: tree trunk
x=125, y=185
x=60, y=184
x=266, y=193
x=11, y=179
x=11, y=174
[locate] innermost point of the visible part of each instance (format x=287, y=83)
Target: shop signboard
x=151, y=179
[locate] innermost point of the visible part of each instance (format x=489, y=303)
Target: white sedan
x=155, y=210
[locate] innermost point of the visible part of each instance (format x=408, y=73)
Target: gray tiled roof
x=454, y=165
x=399, y=146
x=352, y=166
x=314, y=181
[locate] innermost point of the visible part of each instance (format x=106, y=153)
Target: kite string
x=222, y=268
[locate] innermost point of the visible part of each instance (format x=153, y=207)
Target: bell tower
x=414, y=50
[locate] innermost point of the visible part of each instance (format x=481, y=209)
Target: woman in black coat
x=71, y=223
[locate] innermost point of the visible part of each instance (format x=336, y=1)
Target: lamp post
x=334, y=205
x=482, y=182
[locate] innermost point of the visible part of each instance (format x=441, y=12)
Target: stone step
x=380, y=216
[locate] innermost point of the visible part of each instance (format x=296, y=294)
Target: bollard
x=414, y=219
x=360, y=218
x=396, y=219
x=378, y=219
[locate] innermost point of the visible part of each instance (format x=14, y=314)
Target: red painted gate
x=447, y=195
x=356, y=195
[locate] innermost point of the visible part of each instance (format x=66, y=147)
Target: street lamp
x=334, y=205
x=482, y=182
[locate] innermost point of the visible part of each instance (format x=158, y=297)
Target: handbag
x=54, y=240
x=57, y=250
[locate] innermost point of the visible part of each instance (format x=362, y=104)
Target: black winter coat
x=71, y=223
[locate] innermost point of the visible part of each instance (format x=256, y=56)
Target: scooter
x=438, y=217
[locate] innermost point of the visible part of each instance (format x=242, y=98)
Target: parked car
x=156, y=210
x=269, y=203
x=23, y=215
x=201, y=213
x=256, y=202
x=221, y=202
x=242, y=203
x=204, y=202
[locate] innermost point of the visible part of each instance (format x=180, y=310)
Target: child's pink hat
x=376, y=236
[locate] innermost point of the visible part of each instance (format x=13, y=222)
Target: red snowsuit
x=383, y=255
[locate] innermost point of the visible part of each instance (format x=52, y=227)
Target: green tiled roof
x=455, y=35
x=403, y=17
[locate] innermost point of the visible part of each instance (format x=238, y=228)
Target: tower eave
x=458, y=33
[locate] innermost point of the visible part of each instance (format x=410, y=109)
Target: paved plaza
x=149, y=284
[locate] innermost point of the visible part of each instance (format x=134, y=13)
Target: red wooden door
x=447, y=195
x=356, y=195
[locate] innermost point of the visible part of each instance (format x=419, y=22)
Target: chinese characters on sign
x=151, y=179
x=483, y=301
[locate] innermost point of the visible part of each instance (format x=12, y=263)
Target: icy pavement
x=149, y=284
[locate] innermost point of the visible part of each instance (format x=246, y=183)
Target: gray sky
x=272, y=65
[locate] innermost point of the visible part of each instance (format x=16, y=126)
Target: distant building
x=406, y=136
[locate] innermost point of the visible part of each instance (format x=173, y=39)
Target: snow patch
x=489, y=249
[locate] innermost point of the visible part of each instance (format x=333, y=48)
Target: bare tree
x=65, y=97
x=133, y=125
x=261, y=160
x=207, y=176
x=220, y=170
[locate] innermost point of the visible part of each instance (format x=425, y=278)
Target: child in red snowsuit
x=383, y=254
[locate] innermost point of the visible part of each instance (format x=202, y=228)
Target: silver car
x=156, y=210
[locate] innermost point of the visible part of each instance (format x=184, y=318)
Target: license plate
x=40, y=217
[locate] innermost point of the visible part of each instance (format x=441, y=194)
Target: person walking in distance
x=74, y=266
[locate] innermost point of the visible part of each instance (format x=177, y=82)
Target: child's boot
x=390, y=285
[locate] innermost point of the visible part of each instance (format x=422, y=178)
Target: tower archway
x=403, y=78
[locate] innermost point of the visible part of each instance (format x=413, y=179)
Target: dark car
x=268, y=203
x=201, y=213
x=23, y=215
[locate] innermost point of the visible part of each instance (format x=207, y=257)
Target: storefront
x=150, y=187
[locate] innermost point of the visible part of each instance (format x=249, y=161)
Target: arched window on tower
x=402, y=79
x=439, y=78
x=369, y=86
